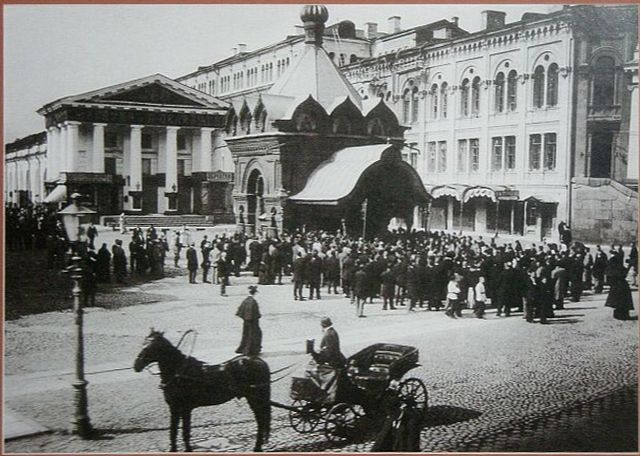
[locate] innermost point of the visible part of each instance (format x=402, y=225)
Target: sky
x=53, y=51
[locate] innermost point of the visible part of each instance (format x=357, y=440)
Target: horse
x=188, y=383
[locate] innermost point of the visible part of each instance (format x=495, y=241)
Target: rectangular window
x=442, y=156
x=510, y=152
x=535, y=152
x=431, y=157
x=146, y=166
x=413, y=160
x=182, y=142
x=180, y=167
x=497, y=153
x=111, y=139
x=146, y=141
x=110, y=165
x=461, y=156
x=474, y=155
x=549, y=158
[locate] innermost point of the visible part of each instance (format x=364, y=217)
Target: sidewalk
x=16, y=425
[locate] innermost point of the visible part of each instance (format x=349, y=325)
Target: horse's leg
x=187, y=429
x=262, y=412
x=173, y=429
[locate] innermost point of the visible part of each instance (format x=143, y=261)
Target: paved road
x=495, y=385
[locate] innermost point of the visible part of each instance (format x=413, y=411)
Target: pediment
x=154, y=93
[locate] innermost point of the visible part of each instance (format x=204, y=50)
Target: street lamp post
x=72, y=218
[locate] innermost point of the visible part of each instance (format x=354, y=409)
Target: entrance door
x=255, y=205
x=149, y=195
x=548, y=217
x=438, y=214
x=601, y=154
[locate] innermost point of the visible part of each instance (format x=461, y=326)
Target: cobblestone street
x=498, y=384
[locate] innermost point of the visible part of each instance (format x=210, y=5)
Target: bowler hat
x=253, y=289
x=326, y=322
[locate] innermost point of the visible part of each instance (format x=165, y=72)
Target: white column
x=135, y=158
x=171, y=159
x=204, y=159
x=63, y=162
x=72, y=145
x=633, y=138
x=98, y=155
x=52, y=152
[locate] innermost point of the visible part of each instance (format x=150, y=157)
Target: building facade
x=512, y=128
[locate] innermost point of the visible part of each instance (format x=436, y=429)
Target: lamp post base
x=80, y=424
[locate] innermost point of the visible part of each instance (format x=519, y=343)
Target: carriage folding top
x=377, y=364
x=371, y=369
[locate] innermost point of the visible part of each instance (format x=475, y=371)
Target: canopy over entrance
x=357, y=183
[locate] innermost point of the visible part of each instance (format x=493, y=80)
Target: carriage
x=372, y=380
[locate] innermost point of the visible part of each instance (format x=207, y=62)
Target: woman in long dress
x=619, y=296
x=251, y=342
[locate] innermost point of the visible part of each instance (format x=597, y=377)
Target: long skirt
x=620, y=298
x=251, y=342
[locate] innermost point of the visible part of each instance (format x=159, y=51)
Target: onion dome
x=314, y=18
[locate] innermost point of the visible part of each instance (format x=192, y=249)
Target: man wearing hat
x=119, y=261
x=248, y=311
x=330, y=347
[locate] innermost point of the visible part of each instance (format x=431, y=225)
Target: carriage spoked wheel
x=342, y=422
x=413, y=392
x=306, y=416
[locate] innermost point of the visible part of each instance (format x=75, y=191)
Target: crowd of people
x=431, y=270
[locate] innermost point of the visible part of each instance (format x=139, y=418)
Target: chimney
x=234, y=51
x=371, y=30
x=454, y=20
x=492, y=20
x=242, y=48
x=394, y=24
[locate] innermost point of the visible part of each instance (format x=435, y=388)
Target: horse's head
x=154, y=346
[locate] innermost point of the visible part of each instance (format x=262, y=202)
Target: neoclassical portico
x=142, y=147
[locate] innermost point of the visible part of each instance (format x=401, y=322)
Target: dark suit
x=299, y=277
x=330, y=350
x=192, y=264
x=314, y=271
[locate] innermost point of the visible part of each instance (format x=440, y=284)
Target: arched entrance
x=255, y=203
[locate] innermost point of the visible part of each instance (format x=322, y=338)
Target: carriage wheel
x=413, y=392
x=341, y=422
x=305, y=418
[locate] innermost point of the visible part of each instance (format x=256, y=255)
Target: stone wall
x=604, y=211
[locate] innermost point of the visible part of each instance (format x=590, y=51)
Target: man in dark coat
x=314, y=271
x=103, y=261
x=192, y=263
x=598, y=269
x=248, y=311
x=507, y=290
x=349, y=266
x=387, y=287
x=360, y=290
x=332, y=272
x=120, y=261
x=330, y=347
x=299, y=276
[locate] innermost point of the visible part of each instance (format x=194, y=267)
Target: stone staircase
x=162, y=221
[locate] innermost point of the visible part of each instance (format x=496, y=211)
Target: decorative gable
x=151, y=94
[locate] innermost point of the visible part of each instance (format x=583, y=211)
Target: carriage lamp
x=74, y=217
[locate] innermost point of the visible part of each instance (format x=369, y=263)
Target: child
x=479, y=298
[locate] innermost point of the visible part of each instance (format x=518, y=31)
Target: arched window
x=375, y=127
x=603, y=85
x=341, y=126
x=539, y=80
x=511, y=91
x=476, y=96
x=353, y=58
x=331, y=56
x=415, y=105
x=407, y=101
x=499, y=92
x=465, y=97
x=444, y=100
x=434, y=106
x=553, y=85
